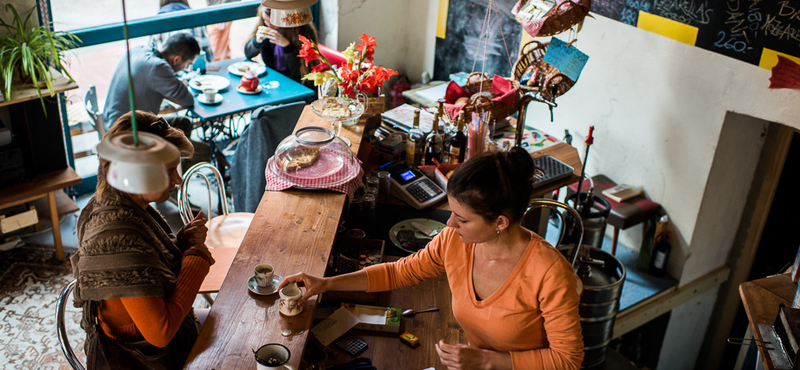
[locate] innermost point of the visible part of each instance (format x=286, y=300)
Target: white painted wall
x=661, y=109
x=405, y=31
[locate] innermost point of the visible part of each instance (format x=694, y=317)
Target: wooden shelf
x=38, y=187
x=23, y=93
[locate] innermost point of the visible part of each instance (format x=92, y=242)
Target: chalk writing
x=730, y=43
x=779, y=29
x=684, y=11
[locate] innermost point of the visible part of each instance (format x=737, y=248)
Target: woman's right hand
x=314, y=285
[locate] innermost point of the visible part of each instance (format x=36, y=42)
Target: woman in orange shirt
x=513, y=294
x=133, y=275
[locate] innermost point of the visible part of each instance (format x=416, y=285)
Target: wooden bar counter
x=294, y=231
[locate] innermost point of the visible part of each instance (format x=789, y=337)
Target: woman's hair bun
x=519, y=163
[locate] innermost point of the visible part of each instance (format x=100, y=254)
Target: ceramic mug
x=272, y=356
x=290, y=294
x=264, y=273
x=210, y=95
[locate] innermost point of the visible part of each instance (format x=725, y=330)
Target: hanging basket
x=542, y=77
x=564, y=15
x=479, y=87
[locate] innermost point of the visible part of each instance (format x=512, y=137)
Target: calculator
x=412, y=186
x=350, y=344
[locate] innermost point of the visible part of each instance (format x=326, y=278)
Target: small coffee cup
x=264, y=273
x=290, y=294
x=272, y=356
x=210, y=95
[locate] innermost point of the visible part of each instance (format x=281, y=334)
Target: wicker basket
x=478, y=82
x=559, y=19
x=554, y=83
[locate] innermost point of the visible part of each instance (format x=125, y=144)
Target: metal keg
x=594, y=211
x=602, y=276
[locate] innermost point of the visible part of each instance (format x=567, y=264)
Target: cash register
x=412, y=186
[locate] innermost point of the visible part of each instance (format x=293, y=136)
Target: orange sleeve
x=559, y=305
x=158, y=319
x=411, y=270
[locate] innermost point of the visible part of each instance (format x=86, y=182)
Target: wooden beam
x=656, y=306
x=756, y=211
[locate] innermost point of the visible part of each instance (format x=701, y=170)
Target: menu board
x=754, y=31
x=463, y=45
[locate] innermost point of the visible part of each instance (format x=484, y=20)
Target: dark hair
x=161, y=3
x=147, y=122
x=182, y=44
x=494, y=184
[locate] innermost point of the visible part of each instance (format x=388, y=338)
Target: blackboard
x=456, y=52
x=740, y=29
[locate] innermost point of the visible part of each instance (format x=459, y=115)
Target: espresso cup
x=290, y=294
x=264, y=273
x=210, y=95
x=272, y=356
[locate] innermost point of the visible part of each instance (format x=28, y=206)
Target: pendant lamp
x=138, y=159
x=289, y=13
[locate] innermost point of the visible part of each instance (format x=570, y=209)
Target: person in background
x=154, y=77
x=142, y=278
x=220, y=34
x=279, y=48
x=514, y=295
x=200, y=34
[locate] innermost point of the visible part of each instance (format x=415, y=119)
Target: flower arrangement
x=357, y=73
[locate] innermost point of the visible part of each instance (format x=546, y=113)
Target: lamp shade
x=287, y=18
x=287, y=4
x=137, y=169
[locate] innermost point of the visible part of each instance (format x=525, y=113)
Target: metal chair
x=63, y=339
x=225, y=232
x=555, y=206
x=90, y=101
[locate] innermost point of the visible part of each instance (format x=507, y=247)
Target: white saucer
x=217, y=100
x=243, y=91
x=252, y=285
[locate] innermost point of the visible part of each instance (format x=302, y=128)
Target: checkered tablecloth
x=275, y=183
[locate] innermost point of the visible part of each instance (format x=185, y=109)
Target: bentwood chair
x=225, y=231
x=94, y=112
x=63, y=339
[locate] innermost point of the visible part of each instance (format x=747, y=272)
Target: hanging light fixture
x=138, y=160
x=289, y=13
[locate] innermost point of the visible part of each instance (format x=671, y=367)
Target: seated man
x=153, y=73
x=154, y=79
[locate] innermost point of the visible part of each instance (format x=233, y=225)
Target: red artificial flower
x=320, y=67
x=308, y=51
x=367, y=47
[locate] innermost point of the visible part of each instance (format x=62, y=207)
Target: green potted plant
x=26, y=53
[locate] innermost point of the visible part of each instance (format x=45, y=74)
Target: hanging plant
x=27, y=53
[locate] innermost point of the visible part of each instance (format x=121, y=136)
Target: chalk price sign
x=741, y=29
x=567, y=59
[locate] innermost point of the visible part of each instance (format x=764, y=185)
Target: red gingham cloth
x=275, y=183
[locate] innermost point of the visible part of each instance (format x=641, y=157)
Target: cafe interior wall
x=689, y=126
x=686, y=124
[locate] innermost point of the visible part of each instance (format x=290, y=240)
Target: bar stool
x=623, y=214
x=225, y=232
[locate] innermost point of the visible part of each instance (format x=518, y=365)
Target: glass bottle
x=458, y=142
x=433, y=143
x=661, y=248
x=415, y=144
x=447, y=129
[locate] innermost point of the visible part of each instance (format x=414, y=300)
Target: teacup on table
x=210, y=95
x=290, y=294
x=272, y=356
x=264, y=273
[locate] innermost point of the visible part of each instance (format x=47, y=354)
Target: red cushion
x=625, y=214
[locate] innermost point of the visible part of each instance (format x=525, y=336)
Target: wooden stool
x=623, y=214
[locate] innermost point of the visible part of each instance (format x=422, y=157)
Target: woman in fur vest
x=136, y=280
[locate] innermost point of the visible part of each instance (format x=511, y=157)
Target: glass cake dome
x=313, y=157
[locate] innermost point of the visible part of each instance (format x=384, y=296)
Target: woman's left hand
x=193, y=233
x=276, y=38
x=466, y=357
